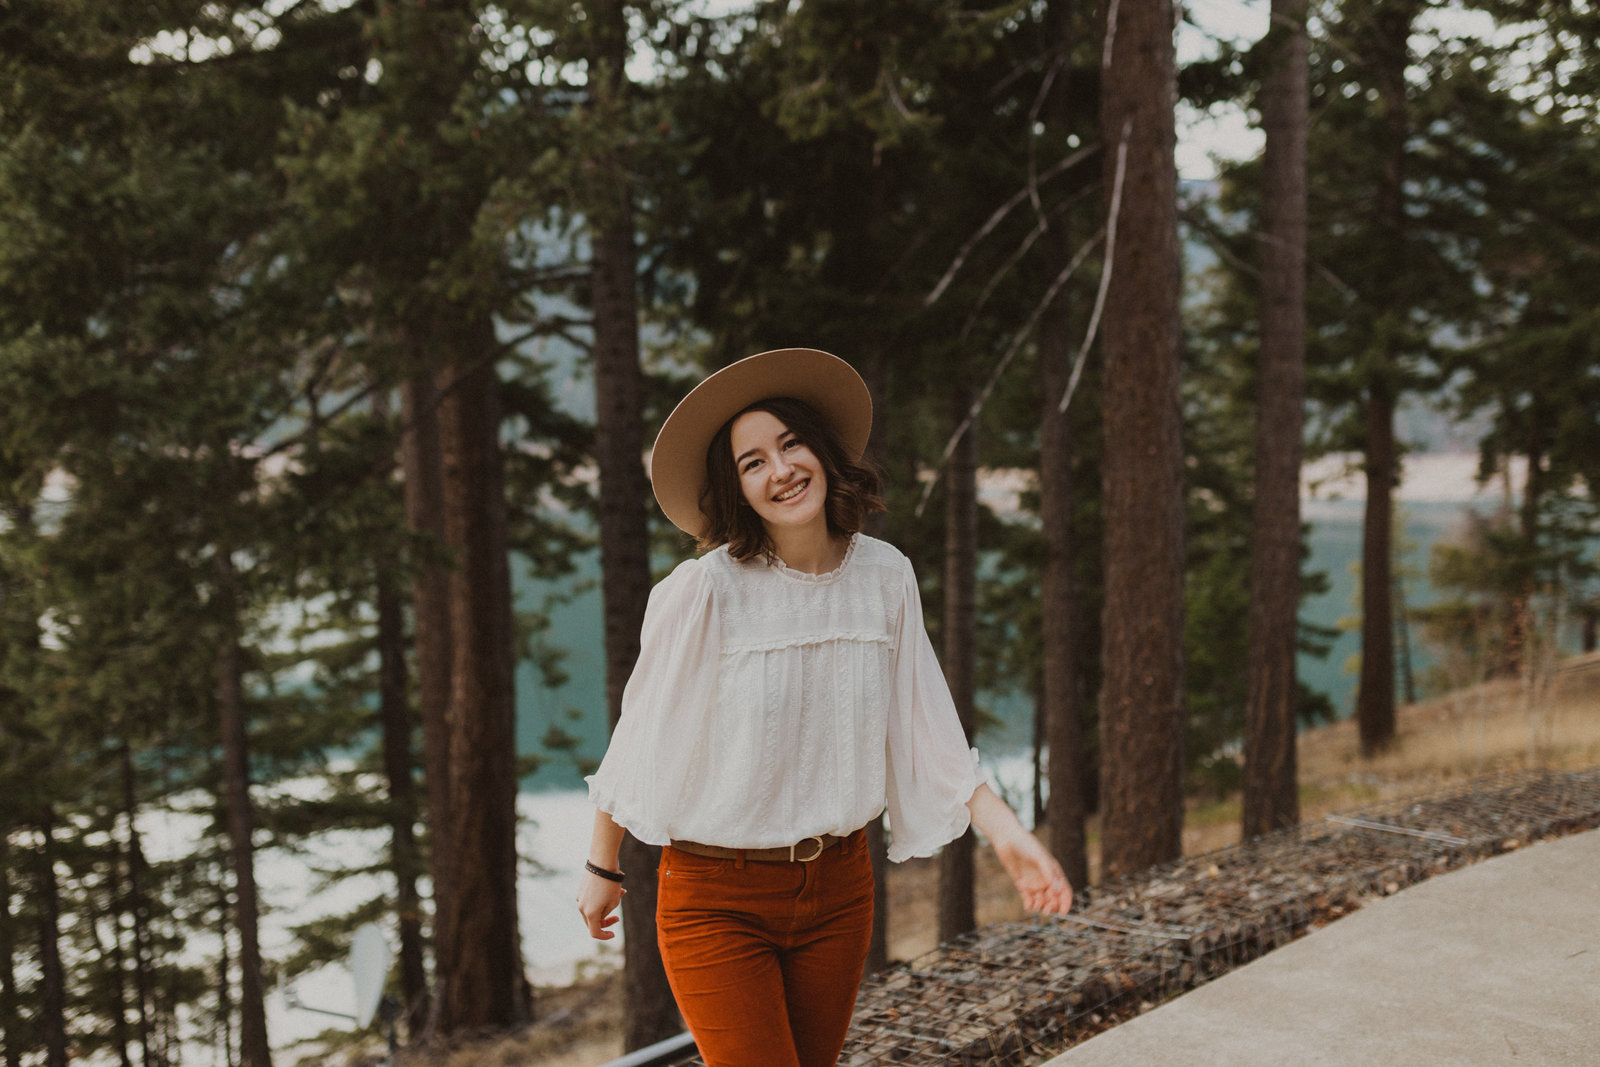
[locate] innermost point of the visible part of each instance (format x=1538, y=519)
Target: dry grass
x=1496, y=726
x=1500, y=725
x=1488, y=727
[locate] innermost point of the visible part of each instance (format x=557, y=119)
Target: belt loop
x=738, y=864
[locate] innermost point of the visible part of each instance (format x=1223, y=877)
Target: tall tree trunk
x=138, y=914
x=52, y=1016
x=1402, y=632
x=1141, y=700
x=423, y=473
x=10, y=1015
x=957, y=906
x=649, y=1013
x=484, y=985
x=224, y=972
x=434, y=41
x=875, y=372
x=1375, y=695
x=113, y=992
x=395, y=722
x=1519, y=657
x=1388, y=50
x=432, y=38
x=1059, y=709
x=1062, y=715
x=254, y=1050
x=1271, y=794
x=405, y=859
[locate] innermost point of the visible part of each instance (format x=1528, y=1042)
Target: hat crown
x=819, y=379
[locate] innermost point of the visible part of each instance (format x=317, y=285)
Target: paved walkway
x=1496, y=963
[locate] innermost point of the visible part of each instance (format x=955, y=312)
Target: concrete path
x=1497, y=963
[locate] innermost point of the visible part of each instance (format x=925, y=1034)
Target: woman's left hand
x=1036, y=874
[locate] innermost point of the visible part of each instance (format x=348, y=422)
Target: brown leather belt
x=803, y=851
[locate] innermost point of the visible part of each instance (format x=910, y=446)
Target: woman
x=785, y=695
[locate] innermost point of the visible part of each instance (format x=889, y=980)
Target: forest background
x=288, y=290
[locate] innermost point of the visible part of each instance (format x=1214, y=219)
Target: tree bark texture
x=481, y=983
x=649, y=1012
x=432, y=40
x=134, y=906
x=1375, y=712
x=52, y=1017
x=11, y=1039
x=1059, y=707
x=254, y=1048
x=405, y=858
x=1386, y=46
x=874, y=370
x=1518, y=658
x=96, y=917
x=1271, y=795
x=1141, y=702
x=423, y=472
x=1063, y=723
x=957, y=904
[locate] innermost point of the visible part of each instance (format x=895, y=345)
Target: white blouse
x=768, y=705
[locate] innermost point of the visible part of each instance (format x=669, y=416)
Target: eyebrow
x=740, y=458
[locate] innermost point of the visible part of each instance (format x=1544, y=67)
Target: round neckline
x=826, y=576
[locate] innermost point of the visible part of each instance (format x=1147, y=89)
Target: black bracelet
x=610, y=876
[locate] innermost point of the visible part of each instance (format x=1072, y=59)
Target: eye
x=791, y=443
x=749, y=466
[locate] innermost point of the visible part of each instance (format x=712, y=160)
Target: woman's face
x=779, y=475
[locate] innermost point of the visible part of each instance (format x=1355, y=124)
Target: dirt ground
x=1500, y=725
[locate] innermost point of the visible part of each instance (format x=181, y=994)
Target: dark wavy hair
x=854, y=486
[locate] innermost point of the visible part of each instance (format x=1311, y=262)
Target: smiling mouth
x=791, y=493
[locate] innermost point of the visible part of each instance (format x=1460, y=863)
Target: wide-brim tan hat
x=825, y=382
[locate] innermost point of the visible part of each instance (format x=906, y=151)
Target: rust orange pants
x=765, y=959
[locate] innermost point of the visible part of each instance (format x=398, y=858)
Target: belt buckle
x=806, y=859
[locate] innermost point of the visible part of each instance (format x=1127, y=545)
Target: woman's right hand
x=598, y=899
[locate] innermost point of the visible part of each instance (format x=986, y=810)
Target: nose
x=781, y=468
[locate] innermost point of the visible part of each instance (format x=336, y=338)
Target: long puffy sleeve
x=665, y=706
x=932, y=772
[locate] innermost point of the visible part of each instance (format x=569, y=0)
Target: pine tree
x=1271, y=790
x=649, y=1012
x=1141, y=698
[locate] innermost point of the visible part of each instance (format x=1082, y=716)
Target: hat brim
x=823, y=381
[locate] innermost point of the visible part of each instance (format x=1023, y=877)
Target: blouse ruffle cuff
x=606, y=800
x=928, y=839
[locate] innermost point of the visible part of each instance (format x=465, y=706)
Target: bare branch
x=894, y=95
x=1214, y=237
x=998, y=217
x=1056, y=65
x=994, y=283
x=1015, y=257
x=1106, y=267
x=1005, y=361
x=1111, y=36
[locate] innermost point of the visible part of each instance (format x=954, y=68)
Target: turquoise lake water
x=578, y=707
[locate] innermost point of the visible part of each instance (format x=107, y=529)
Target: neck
x=809, y=551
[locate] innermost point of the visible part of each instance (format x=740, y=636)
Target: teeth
x=787, y=493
